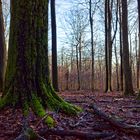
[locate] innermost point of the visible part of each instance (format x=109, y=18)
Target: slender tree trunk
x=117, y=66
x=137, y=73
x=108, y=17
x=80, y=61
x=121, y=49
x=109, y=47
x=138, y=59
x=27, y=76
x=2, y=49
x=92, y=45
x=128, y=89
x=106, y=47
x=78, y=69
x=62, y=69
x=54, y=47
x=71, y=67
x=130, y=51
x=67, y=75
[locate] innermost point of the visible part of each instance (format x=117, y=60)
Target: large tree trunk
x=128, y=89
x=2, y=49
x=54, y=47
x=27, y=75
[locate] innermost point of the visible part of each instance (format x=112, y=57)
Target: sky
x=62, y=7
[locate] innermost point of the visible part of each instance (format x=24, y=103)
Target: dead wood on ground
x=121, y=126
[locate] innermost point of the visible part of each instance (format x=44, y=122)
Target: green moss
x=38, y=108
x=50, y=121
x=40, y=111
x=56, y=103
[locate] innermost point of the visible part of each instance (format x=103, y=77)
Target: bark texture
x=138, y=59
x=2, y=49
x=128, y=87
x=108, y=44
x=54, y=47
x=92, y=44
x=27, y=76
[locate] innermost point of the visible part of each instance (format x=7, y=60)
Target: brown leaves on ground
x=126, y=109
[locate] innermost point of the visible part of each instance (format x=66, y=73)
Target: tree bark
x=138, y=59
x=27, y=76
x=54, y=47
x=117, y=66
x=108, y=18
x=2, y=49
x=106, y=48
x=78, y=68
x=92, y=45
x=121, y=49
x=128, y=87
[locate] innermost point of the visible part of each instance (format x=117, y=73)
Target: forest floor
x=123, y=109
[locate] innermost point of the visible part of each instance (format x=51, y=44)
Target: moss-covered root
x=40, y=111
x=56, y=103
x=69, y=108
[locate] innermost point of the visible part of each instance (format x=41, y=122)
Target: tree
x=77, y=24
x=138, y=61
x=92, y=45
x=117, y=66
x=27, y=76
x=2, y=49
x=54, y=47
x=108, y=44
x=128, y=87
x=121, y=49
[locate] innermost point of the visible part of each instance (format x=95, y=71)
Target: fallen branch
x=78, y=134
x=100, y=127
x=121, y=126
x=138, y=106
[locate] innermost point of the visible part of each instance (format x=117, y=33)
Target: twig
x=42, y=119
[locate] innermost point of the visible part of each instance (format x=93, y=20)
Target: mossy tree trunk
x=27, y=76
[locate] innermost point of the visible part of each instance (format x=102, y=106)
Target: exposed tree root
x=121, y=126
x=78, y=134
x=38, y=102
